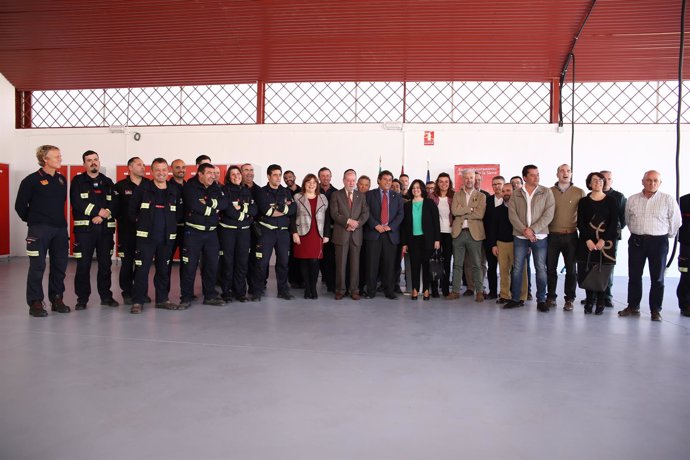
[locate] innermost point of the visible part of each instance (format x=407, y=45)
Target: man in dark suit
x=382, y=234
x=349, y=212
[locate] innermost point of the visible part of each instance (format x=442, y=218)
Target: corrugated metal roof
x=62, y=44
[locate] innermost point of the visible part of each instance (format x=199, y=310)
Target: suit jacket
x=302, y=220
x=395, y=215
x=474, y=213
x=341, y=212
x=431, y=226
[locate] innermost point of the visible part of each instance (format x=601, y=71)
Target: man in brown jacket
x=349, y=211
x=530, y=211
x=468, y=207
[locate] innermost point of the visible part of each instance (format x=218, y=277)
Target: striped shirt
x=657, y=216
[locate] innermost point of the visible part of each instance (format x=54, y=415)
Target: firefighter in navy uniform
x=94, y=226
x=156, y=207
x=41, y=203
x=235, y=235
x=126, y=229
x=275, y=208
x=247, y=170
x=179, y=168
x=203, y=199
x=683, y=289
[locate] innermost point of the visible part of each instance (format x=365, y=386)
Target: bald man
x=653, y=217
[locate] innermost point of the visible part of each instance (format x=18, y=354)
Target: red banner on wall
x=488, y=171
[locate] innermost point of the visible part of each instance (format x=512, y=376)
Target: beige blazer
x=474, y=213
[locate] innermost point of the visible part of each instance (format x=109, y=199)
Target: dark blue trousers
x=642, y=248
x=40, y=241
x=99, y=240
x=279, y=240
x=148, y=250
x=235, y=245
x=196, y=243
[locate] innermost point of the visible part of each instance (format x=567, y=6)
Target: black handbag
x=597, y=277
x=436, y=269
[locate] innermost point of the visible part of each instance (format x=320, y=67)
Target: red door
x=72, y=171
x=4, y=209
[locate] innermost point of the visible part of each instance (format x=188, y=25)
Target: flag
x=428, y=174
x=402, y=170
x=380, y=164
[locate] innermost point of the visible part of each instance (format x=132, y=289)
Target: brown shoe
x=568, y=306
x=355, y=295
x=339, y=296
x=136, y=309
x=36, y=309
x=479, y=297
x=468, y=293
x=629, y=311
x=656, y=316
x=452, y=296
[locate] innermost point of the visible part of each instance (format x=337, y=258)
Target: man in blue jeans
x=530, y=211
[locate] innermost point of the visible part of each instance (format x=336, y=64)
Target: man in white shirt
x=653, y=217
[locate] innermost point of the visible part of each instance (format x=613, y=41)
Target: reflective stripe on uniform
x=195, y=226
x=78, y=223
x=144, y=206
x=77, y=255
x=259, y=255
x=286, y=210
x=112, y=224
x=84, y=195
x=214, y=203
x=226, y=225
x=173, y=207
x=142, y=233
x=109, y=198
x=137, y=262
x=269, y=213
x=208, y=211
x=241, y=216
x=220, y=253
x=244, y=228
x=88, y=209
x=120, y=254
x=173, y=236
x=185, y=259
x=32, y=253
x=245, y=208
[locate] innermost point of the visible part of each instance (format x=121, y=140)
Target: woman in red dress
x=310, y=228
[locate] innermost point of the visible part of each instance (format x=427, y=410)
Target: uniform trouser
x=178, y=244
x=641, y=249
x=683, y=290
x=98, y=239
x=344, y=253
x=198, y=244
x=465, y=245
x=381, y=254
x=492, y=270
x=522, y=248
x=447, y=252
x=235, y=245
x=566, y=244
x=40, y=241
x=419, y=253
x=506, y=257
x=126, y=247
x=278, y=239
x=149, y=249
x=328, y=266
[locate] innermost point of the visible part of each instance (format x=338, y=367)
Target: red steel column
x=555, y=100
x=260, y=102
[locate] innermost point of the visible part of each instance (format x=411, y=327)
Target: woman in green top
x=421, y=234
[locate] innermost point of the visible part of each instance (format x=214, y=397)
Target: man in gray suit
x=349, y=212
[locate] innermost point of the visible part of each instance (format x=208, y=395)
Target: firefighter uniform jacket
x=270, y=200
x=238, y=218
x=87, y=197
x=41, y=199
x=141, y=211
x=202, y=204
x=123, y=192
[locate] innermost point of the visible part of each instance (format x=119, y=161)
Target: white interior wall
x=627, y=150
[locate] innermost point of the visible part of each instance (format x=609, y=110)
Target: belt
x=272, y=227
x=566, y=232
x=648, y=236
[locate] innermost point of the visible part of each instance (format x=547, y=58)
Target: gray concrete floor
x=375, y=379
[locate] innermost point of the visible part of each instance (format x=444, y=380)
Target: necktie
x=384, y=209
x=349, y=198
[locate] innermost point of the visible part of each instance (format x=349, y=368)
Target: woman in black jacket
x=597, y=220
x=235, y=223
x=421, y=234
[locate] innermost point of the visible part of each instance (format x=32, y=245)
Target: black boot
x=601, y=305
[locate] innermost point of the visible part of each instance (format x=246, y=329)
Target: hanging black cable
x=571, y=56
x=679, y=109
